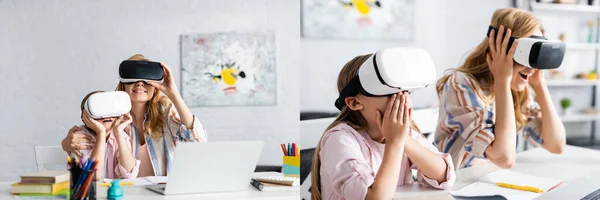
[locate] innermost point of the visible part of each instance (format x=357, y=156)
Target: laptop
x=585, y=188
x=211, y=167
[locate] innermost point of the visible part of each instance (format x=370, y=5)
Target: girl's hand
x=499, y=62
x=168, y=86
x=395, y=123
x=121, y=123
x=93, y=124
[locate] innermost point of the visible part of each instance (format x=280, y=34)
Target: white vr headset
x=390, y=71
x=108, y=104
x=536, y=52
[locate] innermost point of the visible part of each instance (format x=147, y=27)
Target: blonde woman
x=371, y=147
x=159, y=122
x=486, y=104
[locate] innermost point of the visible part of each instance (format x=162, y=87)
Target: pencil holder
x=291, y=166
x=86, y=188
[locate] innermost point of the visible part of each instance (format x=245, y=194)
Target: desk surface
x=140, y=192
x=574, y=162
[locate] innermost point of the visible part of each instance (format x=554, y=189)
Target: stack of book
x=44, y=183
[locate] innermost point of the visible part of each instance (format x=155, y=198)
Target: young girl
x=485, y=102
x=372, y=146
x=159, y=122
x=110, y=145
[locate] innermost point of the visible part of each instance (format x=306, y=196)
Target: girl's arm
x=434, y=168
x=553, y=130
x=431, y=164
x=99, y=151
x=126, y=159
x=395, y=127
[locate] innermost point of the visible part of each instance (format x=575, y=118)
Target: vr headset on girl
x=108, y=104
x=131, y=71
x=536, y=52
x=390, y=71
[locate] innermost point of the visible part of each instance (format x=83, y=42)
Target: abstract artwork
x=229, y=69
x=358, y=19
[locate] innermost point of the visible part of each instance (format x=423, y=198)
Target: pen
x=257, y=184
x=289, y=149
x=125, y=183
x=519, y=187
x=283, y=149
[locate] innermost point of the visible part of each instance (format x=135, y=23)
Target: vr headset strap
x=352, y=89
x=511, y=39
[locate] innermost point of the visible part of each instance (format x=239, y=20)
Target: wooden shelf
x=571, y=82
x=579, y=118
x=572, y=8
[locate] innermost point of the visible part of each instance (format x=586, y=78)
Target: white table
x=135, y=192
x=574, y=162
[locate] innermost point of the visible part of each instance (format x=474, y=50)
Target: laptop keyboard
x=595, y=195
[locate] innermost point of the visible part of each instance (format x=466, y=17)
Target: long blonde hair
x=351, y=117
x=154, y=108
x=522, y=24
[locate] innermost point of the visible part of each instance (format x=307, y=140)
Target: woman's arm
x=75, y=141
x=502, y=150
x=169, y=88
x=553, y=130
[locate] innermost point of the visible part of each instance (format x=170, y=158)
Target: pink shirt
x=113, y=168
x=350, y=160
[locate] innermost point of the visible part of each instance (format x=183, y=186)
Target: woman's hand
x=537, y=80
x=395, y=123
x=168, y=86
x=93, y=124
x=499, y=62
x=76, y=140
x=121, y=123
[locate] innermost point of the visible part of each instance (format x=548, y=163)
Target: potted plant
x=565, y=104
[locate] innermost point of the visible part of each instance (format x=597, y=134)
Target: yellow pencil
x=519, y=187
x=120, y=183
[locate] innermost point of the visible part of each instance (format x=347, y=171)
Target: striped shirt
x=161, y=150
x=466, y=121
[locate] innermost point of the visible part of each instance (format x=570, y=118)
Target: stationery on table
x=291, y=160
x=140, y=181
x=44, y=184
x=83, y=184
x=508, y=184
x=274, y=181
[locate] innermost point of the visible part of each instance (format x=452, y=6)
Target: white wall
x=54, y=52
x=446, y=29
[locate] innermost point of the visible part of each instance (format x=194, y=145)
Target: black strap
x=511, y=39
x=351, y=89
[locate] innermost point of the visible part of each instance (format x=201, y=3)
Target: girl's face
x=372, y=105
x=106, y=122
x=139, y=91
x=521, y=74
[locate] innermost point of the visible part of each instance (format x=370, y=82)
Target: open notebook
x=487, y=185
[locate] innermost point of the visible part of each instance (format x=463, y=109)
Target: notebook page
x=518, y=178
x=481, y=189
